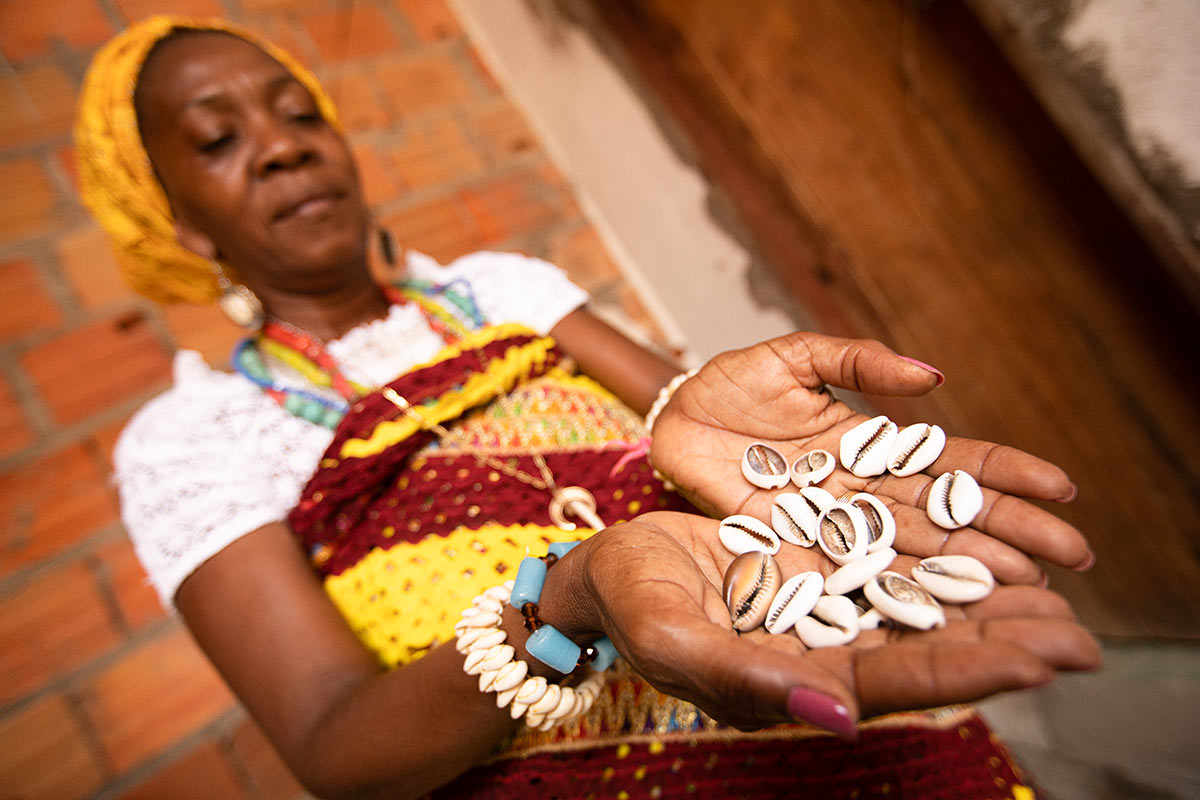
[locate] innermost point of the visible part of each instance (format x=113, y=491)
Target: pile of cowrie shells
x=856, y=531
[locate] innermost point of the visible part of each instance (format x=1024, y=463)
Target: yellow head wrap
x=116, y=180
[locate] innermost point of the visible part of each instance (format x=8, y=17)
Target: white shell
x=496, y=657
x=505, y=697
x=529, y=692
x=509, y=676
x=498, y=593
x=865, y=447
x=797, y=597
x=842, y=533
x=833, y=622
x=566, y=702
x=480, y=639
x=764, y=466
x=742, y=533
x=870, y=619
x=547, y=702
x=904, y=601
x=859, y=571
x=812, y=467
x=471, y=665
x=794, y=519
x=915, y=448
x=954, y=500
x=881, y=525
x=954, y=579
x=479, y=619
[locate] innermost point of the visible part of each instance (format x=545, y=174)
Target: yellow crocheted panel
x=406, y=599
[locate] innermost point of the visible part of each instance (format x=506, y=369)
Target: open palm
x=774, y=392
x=655, y=586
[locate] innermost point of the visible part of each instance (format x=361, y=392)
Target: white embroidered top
x=214, y=458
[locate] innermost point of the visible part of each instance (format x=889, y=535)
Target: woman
x=212, y=157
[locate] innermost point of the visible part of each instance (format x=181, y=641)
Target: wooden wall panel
x=937, y=209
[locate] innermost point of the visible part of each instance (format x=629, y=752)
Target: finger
x=1059, y=643
x=918, y=536
x=1005, y=469
x=922, y=674
x=1020, y=601
x=1021, y=524
x=862, y=365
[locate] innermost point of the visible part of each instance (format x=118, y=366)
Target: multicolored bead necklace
x=306, y=354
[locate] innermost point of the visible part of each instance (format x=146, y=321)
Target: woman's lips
x=311, y=208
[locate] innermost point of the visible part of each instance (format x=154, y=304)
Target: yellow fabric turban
x=116, y=180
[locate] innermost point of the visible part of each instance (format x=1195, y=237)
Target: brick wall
x=101, y=693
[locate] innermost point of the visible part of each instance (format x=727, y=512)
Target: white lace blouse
x=213, y=458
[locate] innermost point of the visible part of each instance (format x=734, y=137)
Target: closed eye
x=217, y=145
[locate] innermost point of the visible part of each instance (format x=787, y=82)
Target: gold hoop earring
x=238, y=303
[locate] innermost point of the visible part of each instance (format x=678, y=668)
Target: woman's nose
x=280, y=146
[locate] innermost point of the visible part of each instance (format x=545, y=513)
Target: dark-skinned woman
x=350, y=522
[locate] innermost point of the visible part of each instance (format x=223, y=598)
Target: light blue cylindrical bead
x=550, y=647
x=606, y=654
x=560, y=549
x=527, y=587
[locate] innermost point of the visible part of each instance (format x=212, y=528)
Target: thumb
x=861, y=365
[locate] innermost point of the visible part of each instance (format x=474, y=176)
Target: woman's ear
x=191, y=238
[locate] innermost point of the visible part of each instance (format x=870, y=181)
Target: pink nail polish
x=940, y=377
x=821, y=710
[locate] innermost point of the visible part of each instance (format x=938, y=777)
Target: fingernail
x=940, y=377
x=821, y=710
x=1044, y=581
x=1070, y=495
x=1087, y=563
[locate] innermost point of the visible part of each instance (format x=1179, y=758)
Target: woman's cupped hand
x=654, y=586
x=774, y=393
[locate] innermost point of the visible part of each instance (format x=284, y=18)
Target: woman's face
x=255, y=175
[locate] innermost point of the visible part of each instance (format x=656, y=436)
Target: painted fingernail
x=940, y=377
x=1087, y=563
x=1070, y=494
x=821, y=710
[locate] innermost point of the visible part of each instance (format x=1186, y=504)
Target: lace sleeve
x=205, y=463
x=510, y=287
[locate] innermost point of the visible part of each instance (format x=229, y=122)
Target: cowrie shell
x=954, y=579
x=904, y=601
x=856, y=573
x=812, y=467
x=795, y=598
x=915, y=448
x=507, y=696
x=479, y=639
x=509, y=676
x=528, y=692
x=842, y=533
x=480, y=619
x=870, y=619
x=750, y=584
x=764, y=466
x=954, y=500
x=742, y=533
x=881, y=525
x=865, y=447
x=794, y=520
x=546, y=703
x=833, y=622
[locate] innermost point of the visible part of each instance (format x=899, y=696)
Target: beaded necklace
x=307, y=354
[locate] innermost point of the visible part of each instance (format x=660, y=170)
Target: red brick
x=378, y=184
x=51, y=505
x=441, y=228
x=355, y=30
x=104, y=439
x=203, y=328
x=153, y=697
x=94, y=367
x=436, y=154
x=87, y=259
x=425, y=83
x=482, y=73
x=15, y=431
x=201, y=774
x=38, y=103
x=581, y=253
x=503, y=132
x=270, y=776
x=29, y=29
x=27, y=198
x=126, y=579
x=362, y=105
x=431, y=20
x=49, y=626
x=65, y=156
x=517, y=204
x=133, y=10
x=44, y=754
x=25, y=304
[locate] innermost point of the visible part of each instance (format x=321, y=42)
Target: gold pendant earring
x=238, y=303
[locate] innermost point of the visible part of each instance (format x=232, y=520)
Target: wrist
x=567, y=602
